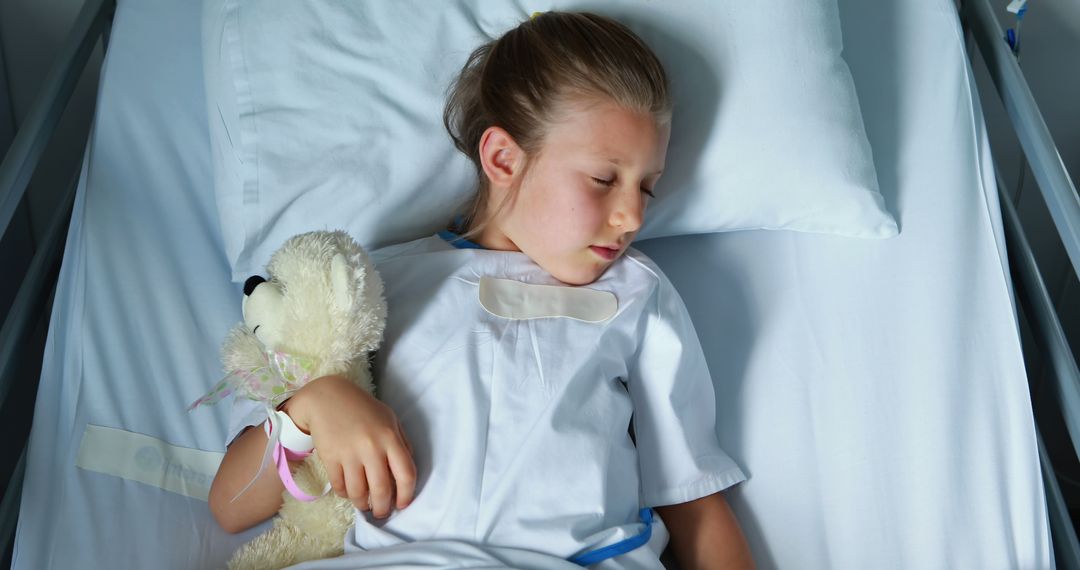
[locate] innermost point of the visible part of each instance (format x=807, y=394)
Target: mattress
x=873, y=391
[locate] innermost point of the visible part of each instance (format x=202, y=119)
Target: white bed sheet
x=874, y=391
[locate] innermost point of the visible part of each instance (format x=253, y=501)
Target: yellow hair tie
x=534, y=15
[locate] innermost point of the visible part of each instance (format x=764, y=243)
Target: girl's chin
x=584, y=275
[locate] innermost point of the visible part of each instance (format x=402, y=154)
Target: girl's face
x=582, y=199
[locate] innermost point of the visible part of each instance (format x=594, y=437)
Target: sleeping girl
x=542, y=388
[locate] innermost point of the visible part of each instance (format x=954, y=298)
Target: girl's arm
x=705, y=534
x=360, y=442
x=261, y=501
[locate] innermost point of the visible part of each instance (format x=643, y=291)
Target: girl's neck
x=452, y=237
x=492, y=238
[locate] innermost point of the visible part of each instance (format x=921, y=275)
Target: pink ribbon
x=271, y=385
x=282, y=457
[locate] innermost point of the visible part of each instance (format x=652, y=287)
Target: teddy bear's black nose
x=251, y=283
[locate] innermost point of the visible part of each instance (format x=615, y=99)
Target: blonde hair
x=519, y=81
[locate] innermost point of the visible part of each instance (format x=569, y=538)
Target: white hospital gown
x=519, y=425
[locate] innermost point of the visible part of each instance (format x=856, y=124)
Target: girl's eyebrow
x=616, y=162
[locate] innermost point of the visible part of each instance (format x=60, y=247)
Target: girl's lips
x=605, y=252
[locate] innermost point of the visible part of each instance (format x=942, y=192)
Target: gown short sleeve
x=244, y=412
x=675, y=408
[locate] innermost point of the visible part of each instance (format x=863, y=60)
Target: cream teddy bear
x=321, y=312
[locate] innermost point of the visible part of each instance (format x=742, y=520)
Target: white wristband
x=291, y=437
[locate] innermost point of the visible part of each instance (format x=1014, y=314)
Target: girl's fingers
x=337, y=480
x=404, y=470
x=401, y=432
x=356, y=478
x=380, y=488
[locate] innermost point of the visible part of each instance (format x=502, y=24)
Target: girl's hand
x=360, y=442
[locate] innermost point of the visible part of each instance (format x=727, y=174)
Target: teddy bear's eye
x=256, y=329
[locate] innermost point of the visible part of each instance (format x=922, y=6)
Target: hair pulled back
x=519, y=81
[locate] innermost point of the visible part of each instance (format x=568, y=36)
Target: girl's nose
x=628, y=211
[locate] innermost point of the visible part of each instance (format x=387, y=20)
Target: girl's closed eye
x=611, y=182
x=603, y=181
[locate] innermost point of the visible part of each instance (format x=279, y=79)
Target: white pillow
x=328, y=114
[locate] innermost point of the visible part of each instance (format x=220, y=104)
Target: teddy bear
x=320, y=312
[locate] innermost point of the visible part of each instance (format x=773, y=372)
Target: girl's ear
x=501, y=158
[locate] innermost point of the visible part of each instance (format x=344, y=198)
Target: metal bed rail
x=18, y=165
x=1059, y=193
x=1042, y=155
x=40, y=123
x=1039, y=311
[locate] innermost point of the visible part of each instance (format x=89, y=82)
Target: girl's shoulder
x=634, y=267
x=643, y=265
x=635, y=279
x=422, y=245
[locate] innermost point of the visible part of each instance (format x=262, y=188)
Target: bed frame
x=94, y=21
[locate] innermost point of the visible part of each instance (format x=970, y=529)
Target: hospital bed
x=873, y=391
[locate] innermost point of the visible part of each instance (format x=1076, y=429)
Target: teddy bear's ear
x=340, y=281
